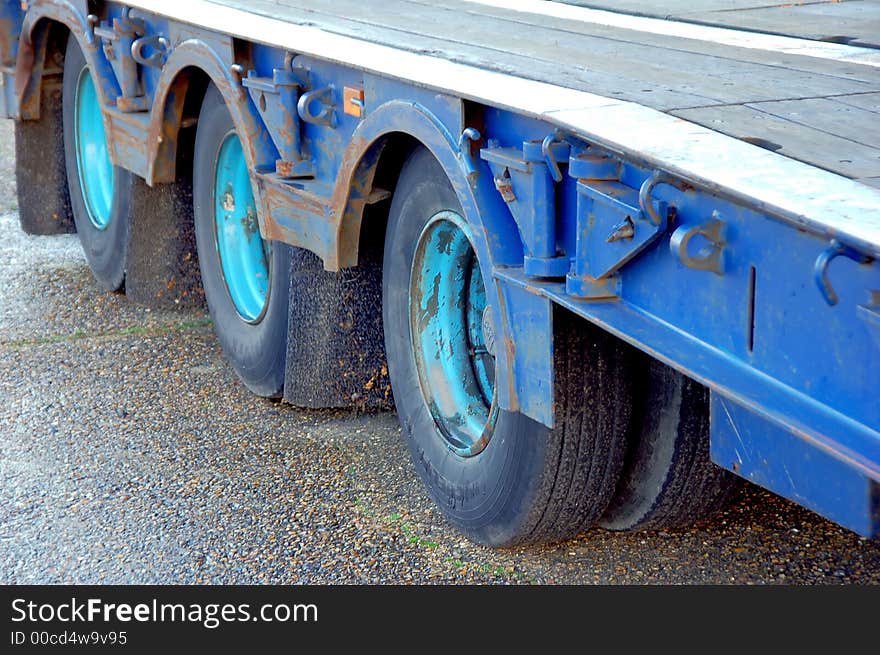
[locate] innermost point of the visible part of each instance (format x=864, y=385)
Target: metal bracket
x=326, y=116
x=158, y=44
x=275, y=97
x=711, y=256
x=525, y=179
x=645, y=201
x=820, y=269
x=616, y=223
x=123, y=43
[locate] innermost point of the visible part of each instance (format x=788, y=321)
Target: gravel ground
x=130, y=453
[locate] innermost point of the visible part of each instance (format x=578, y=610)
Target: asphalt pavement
x=130, y=453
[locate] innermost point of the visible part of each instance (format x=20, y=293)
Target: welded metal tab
x=326, y=111
x=710, y=257
x=150, y=51
x=526, y=181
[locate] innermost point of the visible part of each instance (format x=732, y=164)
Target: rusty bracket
x=119, y=41
x=276, y=98
x=326, y=115
x=158, y=46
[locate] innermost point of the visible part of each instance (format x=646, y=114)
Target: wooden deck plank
x=655, y=67
x=858, y=20
x=867, y=101
x=623, y=85
x=706, y=82
x=788, y=61
x=846, y=121
x=801, y=142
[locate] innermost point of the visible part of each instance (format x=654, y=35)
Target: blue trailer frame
x=777, y=313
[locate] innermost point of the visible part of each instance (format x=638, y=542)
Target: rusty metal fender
x=167, y=109
x=30, y=62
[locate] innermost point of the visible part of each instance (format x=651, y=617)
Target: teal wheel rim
x=96, y=174
x=452, y=334
x=243, y=253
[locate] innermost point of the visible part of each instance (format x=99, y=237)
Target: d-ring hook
x=549, y=157
x=647, y=203
x=326, y=114
x=820, y=269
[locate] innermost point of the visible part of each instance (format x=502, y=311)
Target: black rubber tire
x=530, y=484
x=106, y=250
x=41, y=167
x=669, y=480
x=255, y=350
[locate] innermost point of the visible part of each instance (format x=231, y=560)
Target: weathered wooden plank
x=858, y=21
x=853, y=23
x=776, y=58
x=671, y=8
x=652, y=69
x=663, y=94
x=825, y=115
x=867, y=101
x=794, y=140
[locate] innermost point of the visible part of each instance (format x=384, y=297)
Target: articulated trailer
x=604, y=261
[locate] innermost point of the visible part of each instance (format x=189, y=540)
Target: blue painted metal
x=468, y=136
x=779, y=461
x=96, y=174
x=869, y=313
x=242, y=250
x=447, y=305
x=550, y=154
x=527, y=318
x=615, y=223
x=526, y=181
x=820, y=270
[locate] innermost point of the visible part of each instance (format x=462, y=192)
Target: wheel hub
x=453, y=334
x=244, y=256
x=96, y=174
